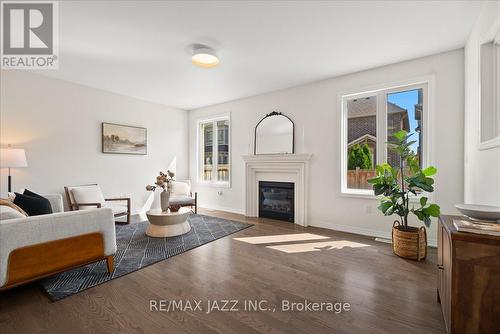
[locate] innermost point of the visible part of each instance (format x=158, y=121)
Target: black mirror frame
x=274, y=113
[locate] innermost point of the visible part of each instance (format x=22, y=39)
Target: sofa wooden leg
x=109, y=261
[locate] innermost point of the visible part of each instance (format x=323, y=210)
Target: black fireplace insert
x=276, y=200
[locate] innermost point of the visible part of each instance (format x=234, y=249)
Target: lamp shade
x=12, y=157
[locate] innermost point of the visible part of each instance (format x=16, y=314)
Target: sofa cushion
x=9, y=210
x=6, y=212
x=32, y=205
x=56, y=202
x=180, y=188
x=117, y=208
x=88, y=194
x=182, y=200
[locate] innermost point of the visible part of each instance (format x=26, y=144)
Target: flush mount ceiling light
x=204, y=56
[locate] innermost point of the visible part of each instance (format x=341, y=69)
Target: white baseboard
x=387, y=241
x=221, y=208
x=361, y=231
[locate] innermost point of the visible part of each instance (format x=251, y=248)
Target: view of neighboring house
x=221, y=150
x=418, y=119
x=362, y=124
x=362, y=132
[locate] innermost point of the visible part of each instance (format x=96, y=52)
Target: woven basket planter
x=410, y=243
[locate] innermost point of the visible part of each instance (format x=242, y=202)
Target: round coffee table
x=167, y=224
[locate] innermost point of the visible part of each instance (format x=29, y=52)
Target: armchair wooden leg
x=109, y=261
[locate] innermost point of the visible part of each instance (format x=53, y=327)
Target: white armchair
x=183, y=196
x=90, y=196
x=39, y=246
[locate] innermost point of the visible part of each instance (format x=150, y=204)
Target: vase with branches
x=164, y=181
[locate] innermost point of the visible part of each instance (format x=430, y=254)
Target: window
x=361, y=140
x=490, y=92
x=404, y=112
x=213, y=146
x=369, y=120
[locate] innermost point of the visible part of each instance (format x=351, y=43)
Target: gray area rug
x=135, y=250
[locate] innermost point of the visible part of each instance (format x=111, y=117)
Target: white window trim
x=199, y=162
x=427, y=83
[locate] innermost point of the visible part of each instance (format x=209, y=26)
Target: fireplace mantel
x=278, y=168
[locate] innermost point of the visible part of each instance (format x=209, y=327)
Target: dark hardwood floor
x=386, y=294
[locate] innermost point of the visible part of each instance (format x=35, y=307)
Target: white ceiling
x=141, y=49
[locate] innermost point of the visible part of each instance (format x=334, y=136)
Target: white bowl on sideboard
x=480, y=212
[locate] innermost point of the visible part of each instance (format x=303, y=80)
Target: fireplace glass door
x=276, y=200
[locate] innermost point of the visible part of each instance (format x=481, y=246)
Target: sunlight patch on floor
x=317, y=246
x=269, y=239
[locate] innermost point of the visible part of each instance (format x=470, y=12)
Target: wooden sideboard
x=468, y=279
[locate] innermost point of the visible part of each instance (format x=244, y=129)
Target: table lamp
x=11, y=158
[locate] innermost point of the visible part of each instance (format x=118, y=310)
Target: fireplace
x=276, y=200
x=277, y=167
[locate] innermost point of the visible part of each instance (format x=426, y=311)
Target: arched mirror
x=274, y=135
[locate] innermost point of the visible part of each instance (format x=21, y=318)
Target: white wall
x=59, y=125
x=482, y=177
x=315, y=109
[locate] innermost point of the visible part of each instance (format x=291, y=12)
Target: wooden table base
x=168, y=224
x=162, y=231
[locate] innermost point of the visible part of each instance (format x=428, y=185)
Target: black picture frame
x=271, y=114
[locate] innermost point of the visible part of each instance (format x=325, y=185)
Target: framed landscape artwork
x=124, y=139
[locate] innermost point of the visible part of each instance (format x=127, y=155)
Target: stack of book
x=477, y=227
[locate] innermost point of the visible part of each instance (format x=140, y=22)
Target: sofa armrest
x=21, y=232
x=56, y=202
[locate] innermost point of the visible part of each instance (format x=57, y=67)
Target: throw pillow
x=7, y=212
x=27, y=192
x=9, y=203
x=33, y=205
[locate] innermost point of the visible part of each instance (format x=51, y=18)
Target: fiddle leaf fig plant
x=397, y=183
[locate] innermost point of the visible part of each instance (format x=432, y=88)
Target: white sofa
x=39, y=246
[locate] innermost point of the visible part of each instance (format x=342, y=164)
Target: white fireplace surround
x=277, y=168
